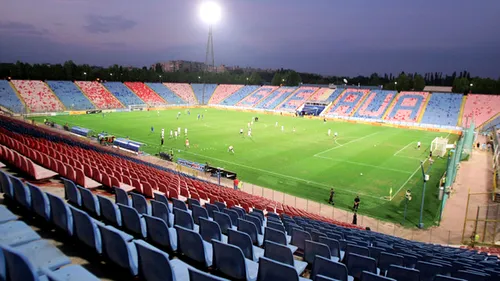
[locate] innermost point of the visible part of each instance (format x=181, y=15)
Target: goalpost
x=438, y=146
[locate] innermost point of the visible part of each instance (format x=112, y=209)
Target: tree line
x=462, y=82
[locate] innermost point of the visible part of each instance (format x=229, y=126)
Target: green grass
x=306, y=163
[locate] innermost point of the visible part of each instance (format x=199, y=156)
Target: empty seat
x=90, y=202
x=180, y=205
x=86, y=229
x=313, y=249
x=110, y=211
x=210, y=230
x=192, y=246
x=132, y=221
x=21, y=193
x=154, y=264
x=428, y=270
x=334, y=247
x=117, y=247
x=249, y=228
x=140, y=204
x=387, y=259
x=193, y=202
x=60, y=214
x=284, y=255
x=72, y=193
x=278, y=237
x=472, y=275
x=6, y=215
x=39, y=201
x=199, y=212
x=211, y=208
x=356, y=264
x=355, y=249
x=403, y=274
x=299, y=238
x=369, y=276
x=329, y=268
x=162, y=198
x=224, y=221
x=220, y=205
x=244, y=242
x=184, y=219
x=256, y=220
x=196, y=275
x=121, y=197
x=15, y=233
x=271, y=270
x=160, y=234
x=230, y=261
x=161, y=210
x=233, y=215
x=440, y=277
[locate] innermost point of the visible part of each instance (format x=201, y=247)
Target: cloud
x=107, y=24
x=20, y=28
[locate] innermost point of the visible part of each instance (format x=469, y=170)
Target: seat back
x=121, y=197
x=241, y=212
x=356, y=264
x=271, y=270
x=223, y=220
x=211, y=208
x=242, y=241
x=332, y=244
x=299, y=238
x=22, y=194
x=131, y=220
x=472, y=275
x=313, y=249
x=190, y=244
x=161, y=197
x=278, y=252
x=328, y=268
x=139, y=203
x=179, y=204
x=6, y=185
x=89, y=202
x=110, y=211
x=369, y=276
x=86, y=229
x=401, y=273
x=375, y=252
x=39, y=201
x=233, y=215
x=158, y=232
x=183, y=218
x=118, y=249
x=161, y=211
x=355, y=249
x=154, y=264
x=256, y=221
x=440, y=277
x=229, y=260
x=60, y=214
x=220, y=205
x=17, y=265
x=275, y=225
x=315, y=235
x=387, y=259
x=196, y=275
x=249, y=228
x=199, y=212
x=71, y=193
x=428, y=270
x=209, y=230
x=275, y=235
x=193, y=202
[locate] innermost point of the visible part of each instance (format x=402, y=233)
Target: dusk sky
x=319, y=36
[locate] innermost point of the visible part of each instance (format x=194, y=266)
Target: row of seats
x=98, y=95
x=146, y=94
x=70, y=95
x=348, y=102
x=495, y=122
x=203, y=92
x=166, y=93
x=376, y=104
x=25, y=256
x=239, y=95
x=123, y=94
x=254, y=98
x=184, y=91
x=480, y=108
x=443, y=109
x=407, y=107
x=222, y=92
x=8, y=97
x=297, y=99
x=276, y=97
x=321, y=95
x=38, y=96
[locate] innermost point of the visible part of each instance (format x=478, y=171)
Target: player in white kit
x=418, y=145
x=282, y=128
x=329, y=132
x=230, y=149
x=185, y=131
x=171, y=134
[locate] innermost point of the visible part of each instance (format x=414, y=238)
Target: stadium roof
x=439, y=89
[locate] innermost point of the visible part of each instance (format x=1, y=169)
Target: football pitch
x=363, y=160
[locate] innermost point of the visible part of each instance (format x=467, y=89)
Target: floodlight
x=210, y=12
x=345, y=81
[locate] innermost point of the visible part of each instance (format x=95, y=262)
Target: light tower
x=210, y=13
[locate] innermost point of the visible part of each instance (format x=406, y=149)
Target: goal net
x=438, y=146
x=136, y=107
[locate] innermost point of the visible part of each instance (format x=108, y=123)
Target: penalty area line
x=418, y=168
x=354, y=140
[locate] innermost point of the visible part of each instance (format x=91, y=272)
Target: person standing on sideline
x=330, y=201
x=236, y=182
x=356, y=204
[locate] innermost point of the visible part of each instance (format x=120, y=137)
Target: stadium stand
x=99, y=96
x=184, y=91
x=203, y=92
x=165, y=93
x=494, y=122
x=123, y=94
x=348, y=102
x=254, y=98
x=443, y=109
x=222, y=92
x=70, y=95
x=297, y=99
x=326, y=95
x=375, y=104
x=276, y=98
x=146, y=94
x=38, y=96
x=8, y=97
x=239, y=95
x=480, y=108
x=407, y=106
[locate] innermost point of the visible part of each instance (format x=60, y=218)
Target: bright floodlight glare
x=210, y=12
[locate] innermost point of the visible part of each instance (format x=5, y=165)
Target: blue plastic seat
x=117, y=247
x=211, y=208
x=284, y=255
x=271, y=270
x=241, y=212
x=472, y=275
x=329, y=268
x=249, y=228
x=39, y=202
x=387, y=259
x=401, y=273
x=132, y=221
x=110, y=211
x=273, y=215
x=140, y=203
x=230, y=261
x=162, y=198
x=160, y=234
x=196, y=275
x=193, y=202
x=256, y=220
x=70, y=273
x=428, y=270
x=440, y=277
x=121, y=196
x=210, y=230
x=314, y=249
x=161, y=211
x=315, y=235
x=72, y=193
x=184, y=219
x=233, y=215
x=276, y=225
x=60, y=214
x=355, y=249
x=154, y=264
x=375, y=252
x=279, y=237
x=21, y=193
x=224, y=221
x=334, y=247
x=90, y=202
x=192, y=246
x=199, y=212
x=409, y=261
x=320, y=277
x=299, y=238
x=244, y=242
x=6, y=215
x=86, y=229
x=356, y=264
x=15, y=233
x=369, y=276
x=220, y=205
x=181, y=205
x=6, y=185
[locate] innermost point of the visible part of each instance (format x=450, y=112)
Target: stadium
x=196, y=180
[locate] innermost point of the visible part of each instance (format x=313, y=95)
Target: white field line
x=365, y=165
x=355, y=140
x=411, y=176
x=395, y=154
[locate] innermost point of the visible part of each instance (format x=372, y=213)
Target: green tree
x=277, y=79
x=255, y=79
x=461, y=85
x=403, y=82
x=418, y=82
x=292, y=78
